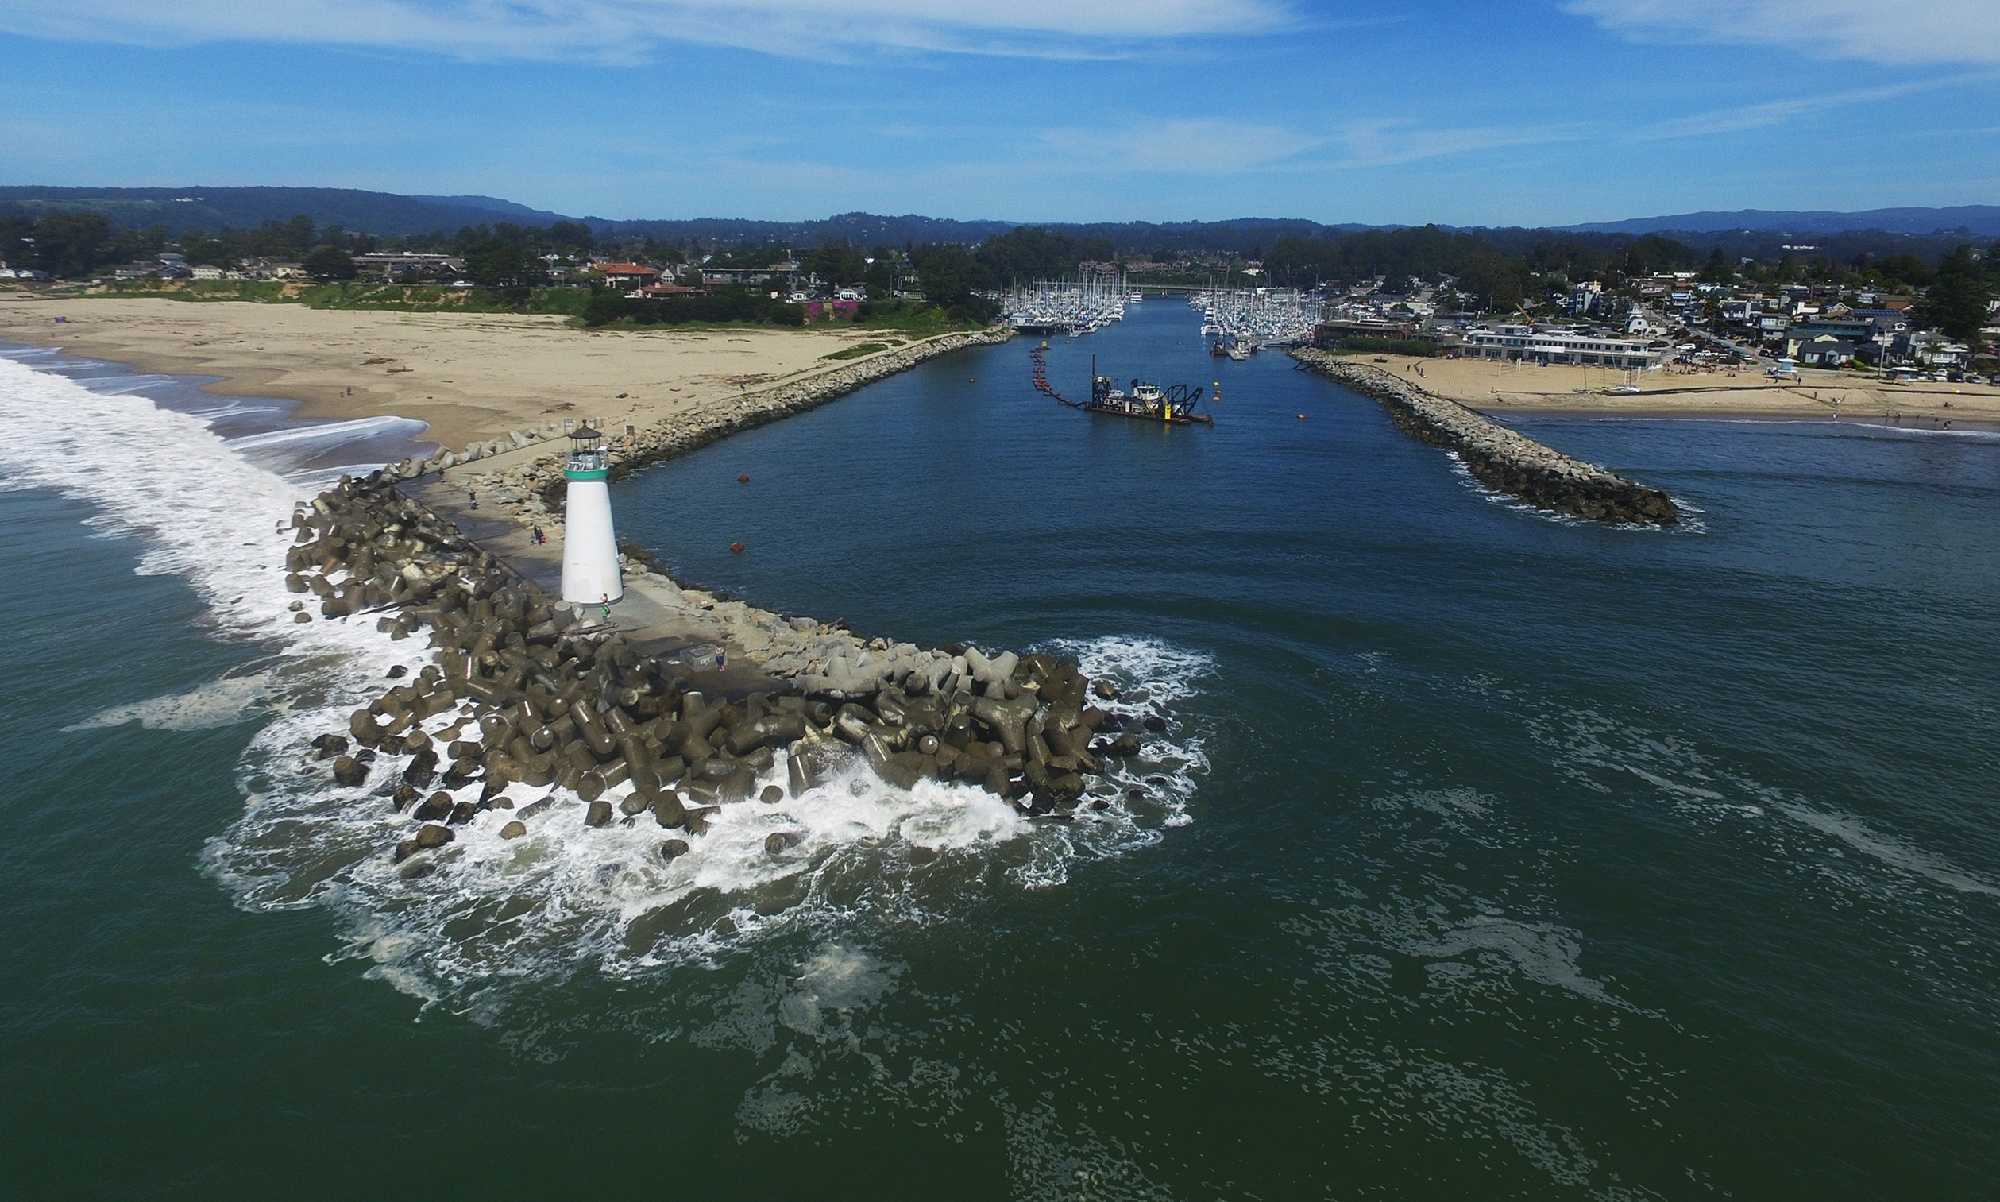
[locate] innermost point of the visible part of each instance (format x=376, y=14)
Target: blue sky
x=1506, y=112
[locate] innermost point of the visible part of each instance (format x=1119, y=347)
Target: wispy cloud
x=1389, y=142
x=1200, y=146
x=1764, y=114
x=1208, y=146
x=638, y=31
x=1903, y=32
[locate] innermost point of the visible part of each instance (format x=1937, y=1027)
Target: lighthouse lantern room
x=590, y=546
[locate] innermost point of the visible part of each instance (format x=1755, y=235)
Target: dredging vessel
x=1174, y=405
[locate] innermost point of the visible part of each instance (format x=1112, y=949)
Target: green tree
x=1956, y=302
x=503, y=259
x=570, y=237
x=837, y=263
x=68, y=244
x=881, y=276
x=951, y=278
x=329, y=262
x=206, y=250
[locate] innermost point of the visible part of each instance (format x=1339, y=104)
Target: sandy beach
x=469, y=376
x=1744, y=392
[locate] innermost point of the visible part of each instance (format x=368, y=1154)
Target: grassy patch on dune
x=856, y=351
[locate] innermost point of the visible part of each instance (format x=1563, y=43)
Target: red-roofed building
x=628, y=277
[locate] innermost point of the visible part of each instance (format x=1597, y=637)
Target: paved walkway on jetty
x=1502, y=459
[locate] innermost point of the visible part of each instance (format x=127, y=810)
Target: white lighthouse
x=590, y=548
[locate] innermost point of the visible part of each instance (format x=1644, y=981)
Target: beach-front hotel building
x=1556, y=345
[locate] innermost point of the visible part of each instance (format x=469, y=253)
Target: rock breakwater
x=524, y=697
x=1499, y=458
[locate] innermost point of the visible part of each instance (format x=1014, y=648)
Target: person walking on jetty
x=536, y=536
x=605, y=601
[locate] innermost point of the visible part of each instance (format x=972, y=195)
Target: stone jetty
x=1499, y=458
x=536, y=700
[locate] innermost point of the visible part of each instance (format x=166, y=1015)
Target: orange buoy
x=736, y=548
x=743, y=479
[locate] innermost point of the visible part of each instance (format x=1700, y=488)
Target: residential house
x=785, y=273
x=631, y=279
x=404, y=266
x=1932, y=349
x=1825, y=350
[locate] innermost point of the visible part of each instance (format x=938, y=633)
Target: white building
x=1530, y=345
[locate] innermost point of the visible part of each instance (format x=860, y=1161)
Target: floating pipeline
x=543, y=702
x=1502, y=459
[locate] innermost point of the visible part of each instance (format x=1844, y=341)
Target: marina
x=1237, y=322
x=1075, y=307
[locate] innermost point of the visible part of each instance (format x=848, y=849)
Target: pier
x=1501, y=459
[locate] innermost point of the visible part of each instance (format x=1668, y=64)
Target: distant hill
x=196, y=208
x=205, y=208
x=1977, y=220
x=505, y=210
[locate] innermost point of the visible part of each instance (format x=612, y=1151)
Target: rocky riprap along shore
x=1499, y=458
x=539, y=701
x=533, y=491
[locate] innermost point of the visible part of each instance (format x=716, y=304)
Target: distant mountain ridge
x=195, y=207
x=1978, y=220
x=198, y=208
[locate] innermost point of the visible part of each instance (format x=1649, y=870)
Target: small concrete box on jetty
x=590, y=573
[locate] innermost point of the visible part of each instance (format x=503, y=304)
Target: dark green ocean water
x=1486, y=856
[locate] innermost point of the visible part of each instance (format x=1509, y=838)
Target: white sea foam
x=219, y=703
x=1593, y=751
x=459, y=926
x=1888, y=850
x=127, y=385
x=327, y=434
x=1829, y=423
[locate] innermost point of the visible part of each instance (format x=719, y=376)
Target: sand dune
x=470, y=376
